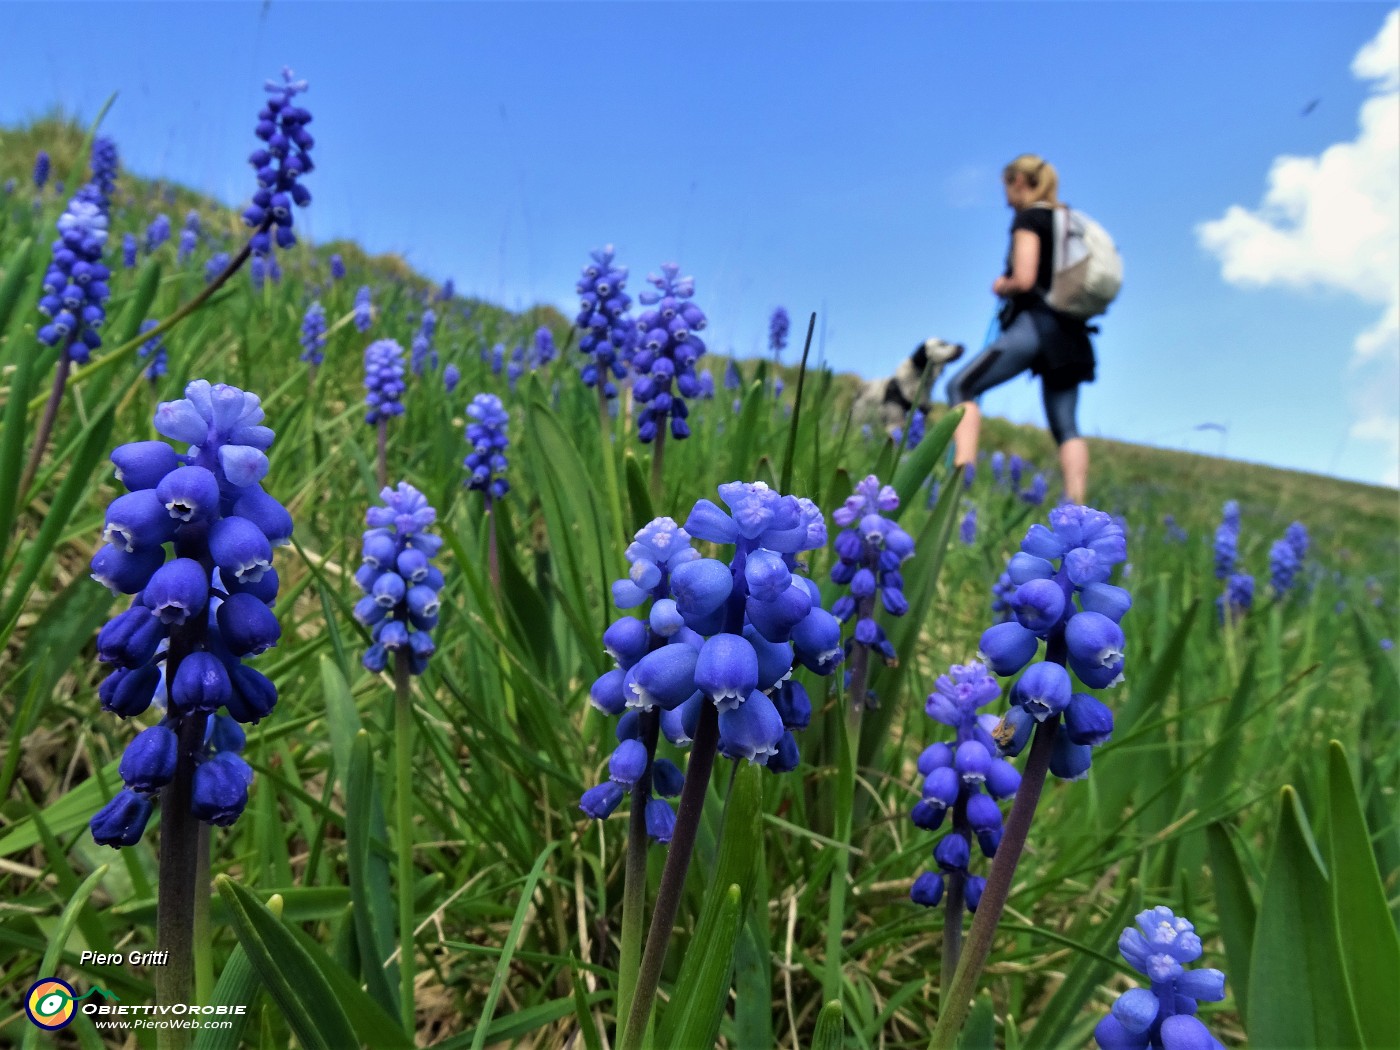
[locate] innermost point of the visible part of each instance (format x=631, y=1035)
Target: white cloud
x=1333, y=222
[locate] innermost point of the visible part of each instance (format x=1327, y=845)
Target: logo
x=49, y=1003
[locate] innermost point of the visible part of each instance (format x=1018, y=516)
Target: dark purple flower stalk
x=1069, y=562
x=711, y=663
x=198, y=612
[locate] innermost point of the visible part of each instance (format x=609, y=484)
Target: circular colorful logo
x=49, y=1003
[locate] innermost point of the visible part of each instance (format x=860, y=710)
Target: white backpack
x=1088, y=271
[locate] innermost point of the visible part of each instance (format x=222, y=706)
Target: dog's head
x=931, y=352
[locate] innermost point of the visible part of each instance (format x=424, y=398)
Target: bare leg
x=966, y=435
x=1074, y=464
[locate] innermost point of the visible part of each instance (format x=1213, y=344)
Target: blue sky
x=838, y=157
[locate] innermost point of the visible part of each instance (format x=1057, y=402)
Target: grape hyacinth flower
x=197, y=615
x=498, y=358
x=154, y=349
x=778, y=326
x=9, y=186
x=75, y=284
x=667, y=349
x=544, y=349
x=1296, y=535
x=399, y=581
x=1035, y=494
x=998, y=467
x=364, y=309
x=732, y=379
x=1015, y=467
x=606, y=331
x=1238, y=598
x=516, y=368
x=869, y=550
x=384, y=383
x=103, y=168
x=967, y=528
x=1283, y=567
x=447, y=291
x=1067, y=563
x=216, y=265
x=954, y=776
x=707, y=386
x=1175, y=533
x=710, y=665
x=313, y=335
x=421, y=352
x=257, y=272
x=41, y=169
x=451, y=376
x=1162, y=1016
x=1227, y=538
x=189, y=237
x=486, y=433
x=337, y=267
x=280, y=163
x=157, y=233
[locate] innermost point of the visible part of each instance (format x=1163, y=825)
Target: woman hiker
x=1053, y=345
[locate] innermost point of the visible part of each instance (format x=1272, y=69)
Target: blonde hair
x=1040, y=174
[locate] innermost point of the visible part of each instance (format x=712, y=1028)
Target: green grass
x=518, y=899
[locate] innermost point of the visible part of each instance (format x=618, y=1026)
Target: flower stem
x=658, y=459
x=493, y=558
x=179, y=886
x=41, y=439
x=381, y=458
x=203, y=935
x=953, y=907
x=668, y=897
x=403, y=805
x=958, y=998
x=634, y=883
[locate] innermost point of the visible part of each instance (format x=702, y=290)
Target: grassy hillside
x=457, y=810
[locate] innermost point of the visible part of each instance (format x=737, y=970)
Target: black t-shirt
x=1041, y=222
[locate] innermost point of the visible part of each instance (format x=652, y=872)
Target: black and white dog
x=889, y=400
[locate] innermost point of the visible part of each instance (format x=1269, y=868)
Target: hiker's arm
x=1025, y=264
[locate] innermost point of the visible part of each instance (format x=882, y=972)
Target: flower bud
x=220, y=789
x=148, y=763
x=122, y=821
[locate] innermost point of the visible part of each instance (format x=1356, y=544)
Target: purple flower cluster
x=917, y=428
x=1175, y=533
x=280, y=163
x=421, y=352
x=545, y=350
x=337, y=267
x=313, y=335
x=41, y=169
x=778, y=326
x=364, y=309
x=103, y=167
x=189, y=236
x=451, y=376
x=200, y=613
x=733, y=380
x=606, y=330
x=954, y=776
x=130, y=246
x=1227, y=540
x=1162, y=1016
x=400, y=582
x=1286, y=558
x=667, y=349
x=75, y=285
x=1035, y=493
x=1072, y=559
x=486, y=433
x=869, y=551
x=158, y=232
x=726, y=634
x=1238, y=598
x=384, y=383
x=216, y=265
